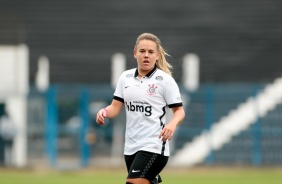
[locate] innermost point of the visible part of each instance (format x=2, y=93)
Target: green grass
x=209, y=175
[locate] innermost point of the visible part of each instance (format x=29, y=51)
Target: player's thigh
x=138, y=180
x=147, y=165
x=129, y=160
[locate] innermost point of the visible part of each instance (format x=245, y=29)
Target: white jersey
x=146, y=101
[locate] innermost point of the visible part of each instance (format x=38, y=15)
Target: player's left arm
x=168, y=131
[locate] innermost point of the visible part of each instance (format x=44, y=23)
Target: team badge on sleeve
x=160, y=78
x=129, y=75
x=152, y=89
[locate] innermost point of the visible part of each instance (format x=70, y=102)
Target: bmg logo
x=144, y=108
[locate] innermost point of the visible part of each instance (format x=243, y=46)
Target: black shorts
x=145, y=164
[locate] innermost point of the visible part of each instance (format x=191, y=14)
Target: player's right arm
x=110, y=111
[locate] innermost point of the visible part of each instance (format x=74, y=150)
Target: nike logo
x=126, y=87
x=134, y=171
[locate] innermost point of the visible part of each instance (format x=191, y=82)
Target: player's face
x=146, y=54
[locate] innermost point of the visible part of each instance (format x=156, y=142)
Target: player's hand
x=167, y=132
x=100, y=117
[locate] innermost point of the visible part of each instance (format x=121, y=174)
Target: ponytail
x=161, y=63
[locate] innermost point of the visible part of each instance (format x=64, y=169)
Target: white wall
x=14, y=88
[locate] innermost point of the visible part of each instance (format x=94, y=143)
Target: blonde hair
x=161, y=63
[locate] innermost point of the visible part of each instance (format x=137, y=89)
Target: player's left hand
x=100, y=117
x=167, y=132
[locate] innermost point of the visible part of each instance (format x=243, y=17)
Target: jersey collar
x=149, y=75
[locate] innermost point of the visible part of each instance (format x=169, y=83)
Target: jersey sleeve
x=172, y=94
x=118, y=94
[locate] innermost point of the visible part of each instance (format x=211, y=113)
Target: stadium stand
x=228, y=36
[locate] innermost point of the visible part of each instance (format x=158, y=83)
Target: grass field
x=209, y=175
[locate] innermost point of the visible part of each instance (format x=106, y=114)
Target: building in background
x=237, y=41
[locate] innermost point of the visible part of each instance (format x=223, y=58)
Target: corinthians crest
x=152, y=89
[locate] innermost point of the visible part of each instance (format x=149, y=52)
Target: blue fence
x=68, y=128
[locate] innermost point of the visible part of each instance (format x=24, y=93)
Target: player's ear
x=134, y=53
x=158, y=55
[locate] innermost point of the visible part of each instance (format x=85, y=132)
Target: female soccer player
x=146, y=92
